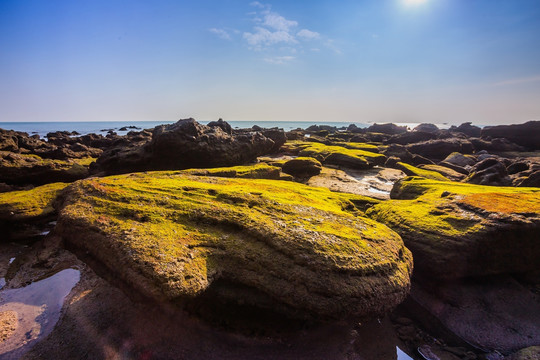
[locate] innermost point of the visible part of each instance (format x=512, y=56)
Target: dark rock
x=533, y=180
x=489, y=172
x=277, y=136
x=441, y=148
x=429, y=128
x=390, y=129
x=359, y=139
x=460, y=160
x=526, y=135
x=398, y=151
x=297, y=134
x=185, y=144
x=319, y=128
x=493, y=313
x=517, y=167
x=420, y=160
x=467, y=129
x=411, y=137
x=223, y=125
x=497, y=145
x=352, y=128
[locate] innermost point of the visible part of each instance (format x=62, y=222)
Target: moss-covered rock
x=411, y=170
x=19, y=210
x=302, y=167
x=336, y=155
x=530, y=353
x=297, y=249
x=256, y=171
x=456, y=230
x=445, y=171
x=21, y=169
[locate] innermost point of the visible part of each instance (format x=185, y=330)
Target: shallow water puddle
x=402, y=355
x=37, y=308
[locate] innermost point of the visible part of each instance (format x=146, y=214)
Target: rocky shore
x=192, y=241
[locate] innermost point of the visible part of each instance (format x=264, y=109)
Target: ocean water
x=101, y=127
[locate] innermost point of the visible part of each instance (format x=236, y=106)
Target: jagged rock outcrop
x=185, y=144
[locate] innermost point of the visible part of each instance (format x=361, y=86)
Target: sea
x=102, y=127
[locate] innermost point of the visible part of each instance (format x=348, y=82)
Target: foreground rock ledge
x=289, y=247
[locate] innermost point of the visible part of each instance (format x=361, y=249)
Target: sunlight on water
x=401, y=355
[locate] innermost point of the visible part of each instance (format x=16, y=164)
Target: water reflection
x=37, y=308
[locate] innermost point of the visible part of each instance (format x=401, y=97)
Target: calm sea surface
x=101, y=127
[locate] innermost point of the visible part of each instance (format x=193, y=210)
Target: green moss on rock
x=335, y=155
x=256, y=171
x=171, y=236
x=412, y=170
x=29, y=204
x=457, y=230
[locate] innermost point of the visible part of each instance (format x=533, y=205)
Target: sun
x=414, y=2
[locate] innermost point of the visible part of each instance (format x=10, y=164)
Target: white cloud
x=307, y=34
x=278, y=22
x=221, y=33
x=263, y=36
x=279, y=60
x=259, y=5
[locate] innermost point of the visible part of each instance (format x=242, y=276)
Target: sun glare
x=414, y=2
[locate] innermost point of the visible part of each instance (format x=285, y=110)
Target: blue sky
x=319, y=60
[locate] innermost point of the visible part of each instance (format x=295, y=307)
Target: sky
x=438, y=61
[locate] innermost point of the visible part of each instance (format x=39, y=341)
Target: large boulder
x=302, y=167
x=411, y=137
x=426, y=127
x=522, y=134
x=390, y=129
x=441, y=148
x=467, y=129
x=490, y=171
x=185, y=144
x=271, y=244
x=457, y=230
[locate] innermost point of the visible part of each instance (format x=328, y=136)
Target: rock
x=411, y=170
x=460, y=160
x=22, y=169
x=398, y=151
x=257, y=171
x=496, y=145
x=21, y=210
x=419, y=160
x=302, y=167
x=8, y=140
x=467, y=129
x=223, y=125
x=263, y=243
x=447, y=172
x=297, y=134
x=525, y=134
x=390, y=129
x=530, y=353
x=441, y=148
x=411, y=137
x=517, y=167
x=533, y=180
x=489, y=172
x=338, y=155
x=185, y=144
x=457, y=230
x=277, y=136
x=496, y=314
x=352, y=128
x=429, y=128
